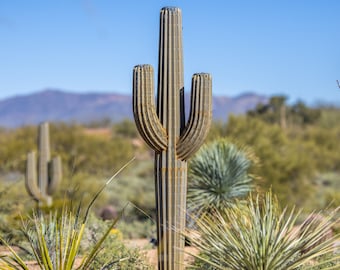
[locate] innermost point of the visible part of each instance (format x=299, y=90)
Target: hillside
x=62, y=106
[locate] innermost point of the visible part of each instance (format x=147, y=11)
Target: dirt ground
x=143, y=244
x=151, y=253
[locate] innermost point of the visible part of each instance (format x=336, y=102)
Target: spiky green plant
x=55, y=240
x=219, y=174
x=260, y=236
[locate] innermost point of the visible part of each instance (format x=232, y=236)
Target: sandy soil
x=151, y=253
x=143, y=244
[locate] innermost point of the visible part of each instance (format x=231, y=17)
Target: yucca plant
x=219, y=174
x=55, y=239
x=259, y=236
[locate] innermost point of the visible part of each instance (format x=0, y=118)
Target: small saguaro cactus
x=43, y=184
x=164, y=129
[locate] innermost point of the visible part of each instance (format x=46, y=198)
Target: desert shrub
x=125, y=129
x=285, y=164
x=262, y=236
x=13, y=201
x=113, y=248
x=327, y=190
x=137, y=229
x=136, y=187
x=329, y=117
x=55, y=239
x=291, y=157
x=323, y=147
x=79, y=151
x=218, y=174
x=89, y=154
x=82, y=187
x=14, y=145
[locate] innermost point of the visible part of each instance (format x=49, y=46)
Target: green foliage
x=322, y=145
x=79, y=152
x=291, y=158
x=219, y=174
x=327, y=189
x=292, y=161
x=82, y=187
x=55, y=239
x=217, y=130
x=300, y=114
x=113, y=248
x=259, y=235
x=284, y=164
x=14, y=145
x=125, y=129
x=90, y=154
x=329, y=118
x=134, y=187
x=137, y=229
x=137, y=188
x=276, y=111
x=11, y=207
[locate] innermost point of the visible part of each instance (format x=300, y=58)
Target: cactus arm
x=199, y=119
x=144, y=109
x=55, y=176
x=31, y=183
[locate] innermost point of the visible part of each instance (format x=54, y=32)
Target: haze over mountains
x=63, y=106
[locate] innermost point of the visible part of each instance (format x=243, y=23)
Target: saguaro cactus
x=165, y=131
x=41, y=187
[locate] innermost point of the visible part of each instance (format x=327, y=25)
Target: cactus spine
x=43, y=184
x=164, y=129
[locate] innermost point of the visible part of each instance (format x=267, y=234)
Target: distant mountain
x=61, y=106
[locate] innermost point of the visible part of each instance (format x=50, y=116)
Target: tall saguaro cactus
x=164, y=129
x=42, y=185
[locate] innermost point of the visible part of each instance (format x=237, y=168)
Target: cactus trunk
x=171, y=186
x=163, y=128
x=170, y=176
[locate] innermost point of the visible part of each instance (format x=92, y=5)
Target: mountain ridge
x=67, y=106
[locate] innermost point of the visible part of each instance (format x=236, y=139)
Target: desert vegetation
x=292, y=152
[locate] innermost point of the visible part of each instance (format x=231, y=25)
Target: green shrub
x=55, y=239
x=54, y=242
x=113, y=248
x=137, y=229
x=260, y=236
x=219, y=174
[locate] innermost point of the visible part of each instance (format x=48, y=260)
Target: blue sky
x=289, y=47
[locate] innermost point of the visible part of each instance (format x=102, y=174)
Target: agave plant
x=219, y=174
x=55, y=240
x=260, y=236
